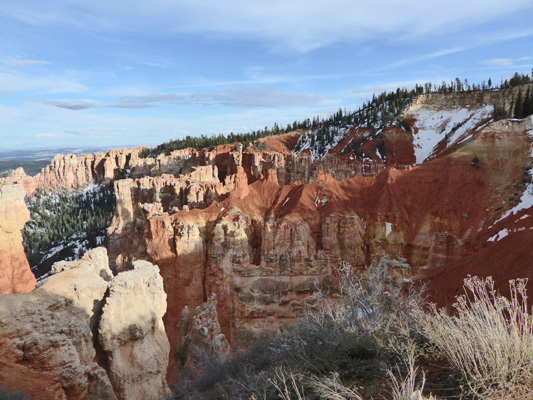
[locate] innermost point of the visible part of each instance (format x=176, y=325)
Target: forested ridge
x=382, y=110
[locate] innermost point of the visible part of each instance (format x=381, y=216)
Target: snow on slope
x=526, y=200
x=453, y=125
x=319, y=146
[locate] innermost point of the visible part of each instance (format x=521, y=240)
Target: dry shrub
x=331, y=388
x=371, y=301
x=489, y=340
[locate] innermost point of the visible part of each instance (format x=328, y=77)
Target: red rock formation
x=262, y=230
x=15, y=273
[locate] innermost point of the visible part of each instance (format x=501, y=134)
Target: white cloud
x=23, y=63
x=231, y=98
x=499, y=62
x=284, y=23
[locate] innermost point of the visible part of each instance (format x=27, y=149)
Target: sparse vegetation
x=489, y=340
x=375, y=341
x=343, y=341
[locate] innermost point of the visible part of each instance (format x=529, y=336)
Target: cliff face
x=15, y=273
x=262, y=229
x=75, y=337
x=69, y=171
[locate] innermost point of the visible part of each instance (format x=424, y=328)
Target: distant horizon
x=32, y=154
x=108, y=73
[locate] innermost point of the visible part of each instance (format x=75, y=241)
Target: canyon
x=246, y=237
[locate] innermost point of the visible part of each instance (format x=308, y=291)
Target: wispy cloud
x=284, y=23
x=76, y=105
x=505, y=62
x=422, y=57
x=14, y=82
x=499, y=62
x=23, y=63
x=252, y=97
x=231, y=98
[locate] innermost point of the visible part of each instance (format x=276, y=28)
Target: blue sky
x=133, y=72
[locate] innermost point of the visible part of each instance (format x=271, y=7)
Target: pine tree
x=519, y=106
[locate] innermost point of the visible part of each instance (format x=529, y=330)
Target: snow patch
x=317, y=145
x=499, y=236
x=286, y=200
x=388, y=228
x=453, y=125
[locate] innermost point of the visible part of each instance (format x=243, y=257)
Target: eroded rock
x=84, y=334
x=15, y=273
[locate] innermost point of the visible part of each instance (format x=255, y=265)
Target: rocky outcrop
x=132, y=334
x=15, y=273
x=82, y=334
x=71, y=171
x=200, y=334
x=46, y=336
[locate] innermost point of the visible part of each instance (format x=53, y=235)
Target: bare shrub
x=489, y=341
x=331, y=388
x=372, y=301
x=287, y=386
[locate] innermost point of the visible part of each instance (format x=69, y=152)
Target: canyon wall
x=64, y=173
x=71, y=171
x=248, y=238
x=262, y=229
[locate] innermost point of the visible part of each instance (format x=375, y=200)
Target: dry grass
x=489, y=341
x=331, y=388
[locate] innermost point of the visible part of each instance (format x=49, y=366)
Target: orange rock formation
x=15, y=273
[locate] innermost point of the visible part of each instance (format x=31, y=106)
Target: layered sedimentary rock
x=46, y=336
x=263, y=229
x=15, y=273
x=71, y=171
x=83, y=334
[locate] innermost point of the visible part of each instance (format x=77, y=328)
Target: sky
x=137, y=72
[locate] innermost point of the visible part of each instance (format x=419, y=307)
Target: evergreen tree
x=519, y=106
